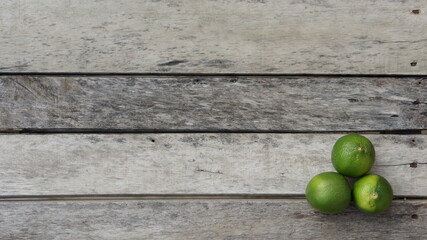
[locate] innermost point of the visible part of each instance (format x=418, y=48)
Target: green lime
x=328, y=192
x=353, y=155
x=372, y=194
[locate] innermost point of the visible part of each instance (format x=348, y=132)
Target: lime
x=372, y=194
x=353, y=155
x=328, y=192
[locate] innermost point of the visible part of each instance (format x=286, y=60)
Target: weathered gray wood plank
x=203, y=36
x=214, y=103
x=205, y=219
x=192, y=163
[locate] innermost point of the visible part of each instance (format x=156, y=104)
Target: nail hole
x=419, y=82
x=414, y=63
x=413, y=164
x=152, y=140
x=416, y=11
x=414, y=216
x=413, y=140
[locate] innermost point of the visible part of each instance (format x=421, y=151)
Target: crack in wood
x=198, y=169
x=23, y=86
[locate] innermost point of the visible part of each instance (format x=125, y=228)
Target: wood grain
x=207, y=219
x=204, y=36
x=90, y=164
x=213, y=103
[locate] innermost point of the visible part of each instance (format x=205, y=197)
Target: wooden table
x=204, y=119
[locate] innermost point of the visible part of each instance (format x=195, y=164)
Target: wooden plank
x=207, y=219
x=213, y=103
x=203, y=36
x=86, y=164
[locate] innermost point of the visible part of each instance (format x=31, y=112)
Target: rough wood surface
x=205, y=36
x=207, y=219
x=192, y=163
x=214, y=103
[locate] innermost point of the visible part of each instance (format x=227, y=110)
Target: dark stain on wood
x=172, y=63
x=120, y=140
x=94, y=139
x=219, y=63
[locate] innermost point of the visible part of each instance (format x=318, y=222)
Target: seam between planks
x=116, y=74
x=202, y=131
x=103, y=197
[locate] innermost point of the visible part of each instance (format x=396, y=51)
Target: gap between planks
x=177, y=74
x=23, y=198
x=192, y=131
